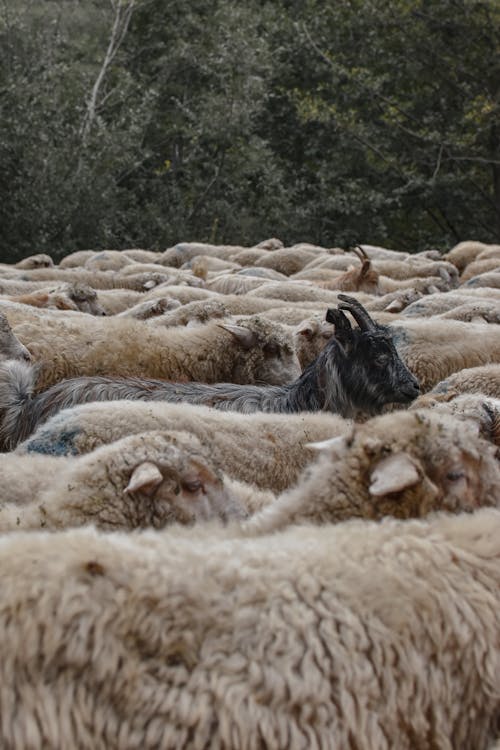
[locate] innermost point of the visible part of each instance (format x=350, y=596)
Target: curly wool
x=361, y=635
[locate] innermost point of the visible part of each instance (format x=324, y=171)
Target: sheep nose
x=27, y=356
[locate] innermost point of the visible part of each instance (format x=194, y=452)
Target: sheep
x=95, y=279
x=361, y=634
x=244, y=351
x=466, y=252
x=435, y=304
x=199, y=311
x=310, y=338
x=287, y=260
x=40, y=260
x=477, y=311
x=10, y=346
x=150, y=308
x=183, y=252
x=433, y=349
x=483, y=411
x=266, y=450
x=108, y=260
x=491, y=279
x=484, y=379
x=404, y=464
x=147, y=479
x=227, y=284
x=479, y=266
x=294, y=292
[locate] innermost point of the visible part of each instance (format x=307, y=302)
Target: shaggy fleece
x=361, y=635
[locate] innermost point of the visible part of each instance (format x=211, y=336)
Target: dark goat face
x=380, y=375
x=369, y=367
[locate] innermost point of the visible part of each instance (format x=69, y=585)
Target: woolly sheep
x=484, y=379
x=287, y=260
x=199, y=311
x=266, y=450
x=147, y=479
x=316, y=637
x=404, y=464
x=108, y=260
x=483, y=411
x=433, y=348
x=477, y=267
x=150, y=308
x=96, y=279
x=491, y=279
x=466, y=252
x=239, y=352
x=40, y=260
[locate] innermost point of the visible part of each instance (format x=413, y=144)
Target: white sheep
x=404, y=464
x=266, y=450
x=434, y=348
x=239, y=352
x=361, y=634
x=485, y=379
x=466, y=252
x=147, y=479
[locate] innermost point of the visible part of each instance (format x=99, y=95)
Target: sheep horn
x=358, y=312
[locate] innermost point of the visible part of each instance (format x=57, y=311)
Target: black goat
x=359, y=370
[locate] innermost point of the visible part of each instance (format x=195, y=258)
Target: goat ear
x=244, y=336
x=145, y=478
x=393, y=474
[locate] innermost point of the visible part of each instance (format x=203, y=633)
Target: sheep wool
x=361, y=635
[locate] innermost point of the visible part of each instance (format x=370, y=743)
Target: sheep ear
x=331, y=443
x=244, y=336
x=393, y=474
x=305, y=330
x=145, y=478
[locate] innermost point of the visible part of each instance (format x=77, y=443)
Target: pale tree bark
x=122, y=10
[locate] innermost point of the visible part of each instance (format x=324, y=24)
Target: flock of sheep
x=251, y=499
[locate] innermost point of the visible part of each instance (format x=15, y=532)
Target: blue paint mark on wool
x=49, y=444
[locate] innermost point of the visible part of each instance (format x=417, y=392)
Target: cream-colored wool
x=404, y=464
x=368, y=635
x=267, y=450
x=433, y=348
x=147, y=479
x=217, y=352
x=466, y=252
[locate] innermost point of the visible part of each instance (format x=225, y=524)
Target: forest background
x=142, y=123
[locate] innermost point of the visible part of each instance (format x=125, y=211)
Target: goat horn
x=357, y=311
x=358, y=250
x=339, y=320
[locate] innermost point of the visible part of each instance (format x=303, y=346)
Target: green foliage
x=230, y=122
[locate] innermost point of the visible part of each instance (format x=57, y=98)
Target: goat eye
x=192, y=486
x=454, y=476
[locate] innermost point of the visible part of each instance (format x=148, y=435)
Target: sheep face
x=407, y=464
x=10, y=346
x=266, y=352
x=153, y=479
